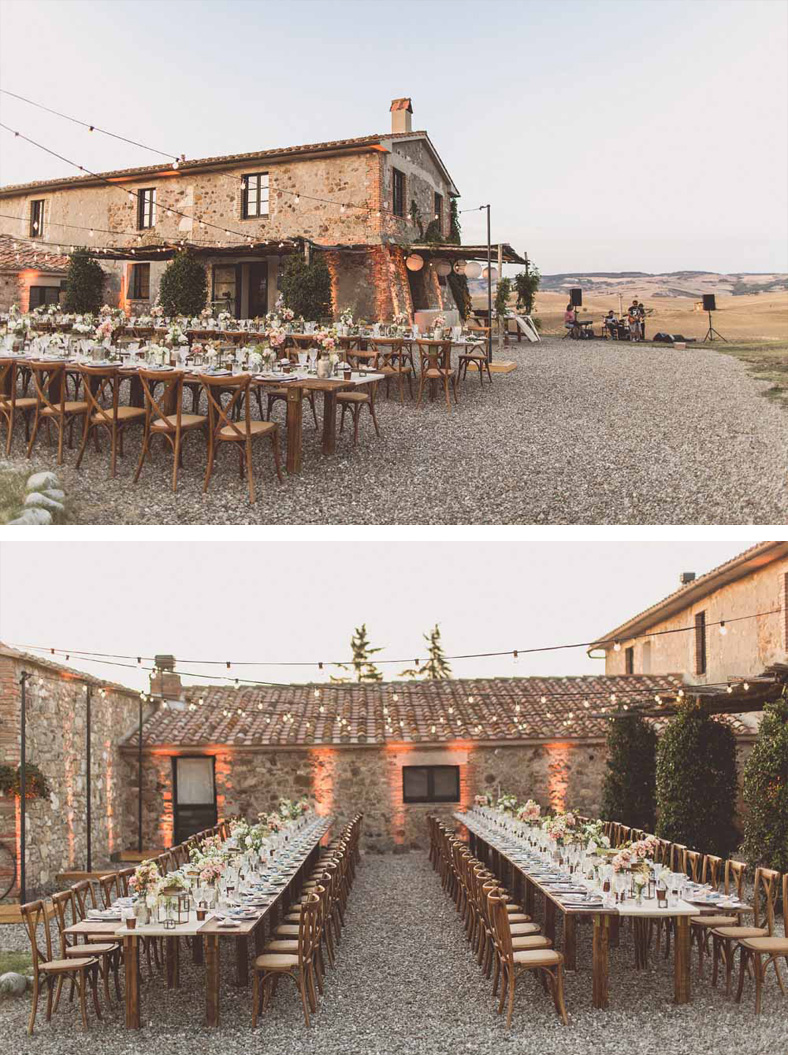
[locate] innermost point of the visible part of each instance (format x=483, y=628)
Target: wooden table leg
x=615, y=931
x=171, y=956
x=295, y=427
x=549, y=920
x=529, y=897
x=242, y=961
x=329, y=421
x=600, y=960
x=570, y=941
x=131, y=959
x=681, y=960
x=212, y=980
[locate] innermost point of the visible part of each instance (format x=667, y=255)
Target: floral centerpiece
x=206, y=314
x=560, y=827
x=287, y=314
x=483, y=800
x=276, y=336
x=146, y=879
x=224, y=319
x=593, y=835
x=175, y=337
x=507, y=804
x=157, y=311
x=105, y=329
x=529, y=812
x=438, y=324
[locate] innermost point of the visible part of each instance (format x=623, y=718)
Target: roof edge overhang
x=469, y=252
x=744, y=564
x=462, y=743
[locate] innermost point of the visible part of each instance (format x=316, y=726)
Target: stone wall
x=56, y=730
x=745, y=651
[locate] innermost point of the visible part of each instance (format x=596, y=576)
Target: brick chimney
x=166, y=684
x=401, y=113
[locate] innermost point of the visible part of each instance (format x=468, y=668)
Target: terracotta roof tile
x=26, y=256
x=482, y=709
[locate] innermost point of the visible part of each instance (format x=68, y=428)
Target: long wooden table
x=204, y=933
x=605, y=920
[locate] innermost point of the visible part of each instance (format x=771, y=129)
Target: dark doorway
x=418, y=290
x=193, y=795
x=258, y=289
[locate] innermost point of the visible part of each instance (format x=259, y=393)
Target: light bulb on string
x=723, y=628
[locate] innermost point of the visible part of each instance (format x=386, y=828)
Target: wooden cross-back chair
x=223, y=428
x=545, y=961
x=49, y=970
x=107, y=952
x=299, y=965
x=477, y=357
x=11, y=404
x=692, y=864
x=109, y=885
x=725, y=938
x=435, y=368
x=771, y=945
x=355, y=401
x=713, y=871
x=164, y=417
x=52, y=406
x=394, y=362
x=101, y=385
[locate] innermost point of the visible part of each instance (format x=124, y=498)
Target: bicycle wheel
x=7, y=870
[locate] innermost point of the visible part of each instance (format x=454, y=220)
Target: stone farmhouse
x=366, y=203
x=179, y=757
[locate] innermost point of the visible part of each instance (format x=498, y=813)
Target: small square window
x=430, y=783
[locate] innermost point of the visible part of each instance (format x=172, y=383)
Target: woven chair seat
x=437, y=372
x=188, y=421
x=52, y=966
x=69, y=407
x=774, y=945
x=283, y=945
x=519, y=917
x=742, y=932
x=518, y=929
x=352, y=397
x=96, y=949
x=538, y=957
x=272, y=961
x=256, y=428
x=531, y=941
x=26, y=403
x=124, y=414
x=713, y=921
x=287, y=930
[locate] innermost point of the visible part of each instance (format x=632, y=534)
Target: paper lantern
x=493, y=273
x=459, y=266
x=443, y=267
x=472, y=269
x=414, y=262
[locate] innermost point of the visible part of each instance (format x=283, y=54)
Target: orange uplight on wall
x=558, y=774
x=394, y=783
x=109, y=792
x=324, y=761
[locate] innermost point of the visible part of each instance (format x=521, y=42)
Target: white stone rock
x=54, y=493
x=12, y=984
x=37, y=499
x=41, y=481
x=32, y=516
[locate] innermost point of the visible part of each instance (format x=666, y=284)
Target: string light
x=723, y=628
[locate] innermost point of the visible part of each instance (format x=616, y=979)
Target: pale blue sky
x=288, y=605
x=642, y=135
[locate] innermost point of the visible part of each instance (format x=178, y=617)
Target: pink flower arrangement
x=104, y=329
x=145, y=879
x=326, y=340
x=530, y=811
x=211, y=871
x=276, y=337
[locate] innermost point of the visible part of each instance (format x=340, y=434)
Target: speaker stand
x=711, y=333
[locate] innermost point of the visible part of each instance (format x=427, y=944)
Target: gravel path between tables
x=580, y=433
x=406, y=984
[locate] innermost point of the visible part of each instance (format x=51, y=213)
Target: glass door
x=193, y=795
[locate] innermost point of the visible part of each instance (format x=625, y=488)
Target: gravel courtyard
x=580, y=433
x=406, y=984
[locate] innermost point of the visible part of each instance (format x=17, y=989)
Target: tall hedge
x=696, y=783
x=628, y=792
x=766, y=790
x=183, y=287
x=306, y=287
x=84, y=284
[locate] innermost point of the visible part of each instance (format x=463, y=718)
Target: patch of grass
x=766, y=361
x=20, y=962
x=12, y=492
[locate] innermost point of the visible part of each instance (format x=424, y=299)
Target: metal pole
x=23, y=679
x=489, y=286
x=139, y=783
x=88, y=787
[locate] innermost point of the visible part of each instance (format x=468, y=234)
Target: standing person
x=642, y=314
x=633, y=318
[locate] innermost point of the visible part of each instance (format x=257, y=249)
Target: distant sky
x=293, y=602
x=613, y=135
